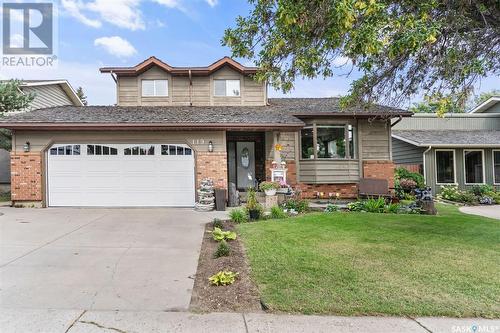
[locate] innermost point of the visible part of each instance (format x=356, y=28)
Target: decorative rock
x=206, y=198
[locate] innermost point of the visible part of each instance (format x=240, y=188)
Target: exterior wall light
x=210, y=146
x=26, y=147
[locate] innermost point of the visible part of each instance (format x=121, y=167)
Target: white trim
x=482, y=163
x=493, y=161
x=454, y=167
x=446, y=145
x=486, y=104
x=424, y=163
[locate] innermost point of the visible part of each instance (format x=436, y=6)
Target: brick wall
x=26, y=176
x=212, y=165
x=383, y=169
x=418, y=168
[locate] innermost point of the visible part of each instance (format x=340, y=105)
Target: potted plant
x=269, y=188
x=253, y=207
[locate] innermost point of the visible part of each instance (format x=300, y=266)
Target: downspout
x=425, y=174
x=190, y=89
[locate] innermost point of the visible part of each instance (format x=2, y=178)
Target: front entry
x=245, y=158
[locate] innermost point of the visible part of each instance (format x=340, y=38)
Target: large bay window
x=445, y=166
x=328, y=142
x=474, y=166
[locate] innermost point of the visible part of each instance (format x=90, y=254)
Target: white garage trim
x=120, y=175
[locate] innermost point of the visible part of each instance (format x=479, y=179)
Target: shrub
x=265, y=186
x=467, y=197
x=402, y=173
x=217, y=223
x=331, y=208
x=220, y=235
x=450, y=192
x=392, y=208
x=356, y=206
x=374, y=205
x=238, y=215
x=480, y=190
x=223, y=278
x=298, y=205
x=278, y=213
x=494, y=195
x=222, y=250
x=253, y=205
x=407, y=185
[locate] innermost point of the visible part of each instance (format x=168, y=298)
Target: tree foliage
x=401, y=47
x=81, y=95
x=12, y=98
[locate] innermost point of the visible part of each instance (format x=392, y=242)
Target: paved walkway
x=71, y=321
x=486, y=211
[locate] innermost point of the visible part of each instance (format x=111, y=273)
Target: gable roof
x=448, y=138
x=64, y=84
x=486, y=104
x=200, y=71
x=278, y=114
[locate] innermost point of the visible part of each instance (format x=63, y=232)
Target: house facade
x=460, y=149
x=174, y=126
x=47, y=93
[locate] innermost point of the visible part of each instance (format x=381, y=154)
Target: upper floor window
x=154, y=88
x=227, y=88
x=328, y=141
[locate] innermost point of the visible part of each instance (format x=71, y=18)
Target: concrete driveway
x=486, y=211
x=99, y=259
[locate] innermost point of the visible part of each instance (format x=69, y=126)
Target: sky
x=97, y=33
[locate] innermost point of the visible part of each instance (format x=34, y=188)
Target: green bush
x=298, y=205
x=374, y=205
x=330, y=208
x=450, y=192
x=222, y=250
x=402, y=173
x=494, y=195
x=392, y=208
x=265, y=186
x=223, y=278
x=217, y=223
x=220, y=235
x=480, y=190
x=278, y=213
x=238, y=215
x=356, y=206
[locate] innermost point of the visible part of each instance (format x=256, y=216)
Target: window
x=175, y=150
x=474, y=168
x=101, y=150
x=154, y=88
x=331, y=141
x=65, y=150
x=496, y=166
x=227, y=88
x=445, y=166
x=140, y=150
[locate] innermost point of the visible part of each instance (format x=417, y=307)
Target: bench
x=372, y=187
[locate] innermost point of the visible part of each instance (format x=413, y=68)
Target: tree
x=485, y=96
x=400, y=47
x=11, y=99
x=429, y=105
x=81, y=95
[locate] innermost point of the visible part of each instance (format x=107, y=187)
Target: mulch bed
x=241, y=296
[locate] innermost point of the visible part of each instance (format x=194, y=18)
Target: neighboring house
x=47, y=93
x=174, y=126
x=460, y=149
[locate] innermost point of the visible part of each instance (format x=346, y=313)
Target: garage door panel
x=120, y=180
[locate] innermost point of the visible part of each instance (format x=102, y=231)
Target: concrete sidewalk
x=71, y=321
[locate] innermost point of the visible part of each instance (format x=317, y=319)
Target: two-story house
x=174, y=126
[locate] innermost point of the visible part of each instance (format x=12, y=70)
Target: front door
x=245, y=164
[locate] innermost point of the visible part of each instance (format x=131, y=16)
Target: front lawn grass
x=369, y=264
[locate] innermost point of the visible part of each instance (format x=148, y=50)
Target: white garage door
x=120, y=175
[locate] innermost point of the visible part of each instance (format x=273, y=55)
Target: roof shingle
x=448, y=137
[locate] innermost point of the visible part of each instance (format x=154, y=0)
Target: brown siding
x=374, y=138
x=202, y=90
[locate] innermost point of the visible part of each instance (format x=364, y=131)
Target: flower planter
x=270, y=192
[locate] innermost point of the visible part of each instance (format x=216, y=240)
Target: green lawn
x=361, y=263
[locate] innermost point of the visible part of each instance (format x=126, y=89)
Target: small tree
x=11, y=99
x=81, y=95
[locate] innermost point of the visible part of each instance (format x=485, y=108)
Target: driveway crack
x=74, y=321
x=420, y=324
x=101, y=326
